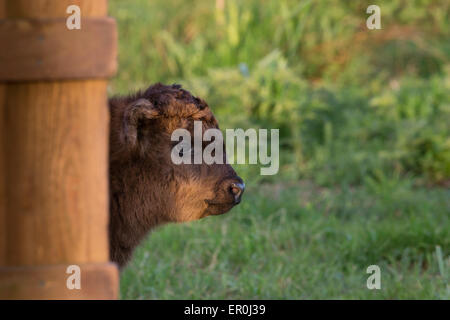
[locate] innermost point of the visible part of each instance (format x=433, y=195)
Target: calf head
x=146, y=187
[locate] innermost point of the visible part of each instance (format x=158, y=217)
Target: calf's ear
x=135, y=114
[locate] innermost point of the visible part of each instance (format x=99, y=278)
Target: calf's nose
x=237, y=189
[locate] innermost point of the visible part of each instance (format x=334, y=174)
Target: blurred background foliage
x=365, y=145
x=350, y=103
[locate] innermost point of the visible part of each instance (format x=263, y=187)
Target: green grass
x=296, y=241
x=365, y=146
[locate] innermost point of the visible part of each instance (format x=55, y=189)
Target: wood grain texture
x=54, y=195
x=41, y=9
x=2, y=168
x=47, y=50
x=50, y=282
x=2, y=179
x=56, y=146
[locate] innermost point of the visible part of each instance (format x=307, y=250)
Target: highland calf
x=146, y=188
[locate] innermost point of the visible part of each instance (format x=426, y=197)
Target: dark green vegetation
x=301, y=242
x=365, y=146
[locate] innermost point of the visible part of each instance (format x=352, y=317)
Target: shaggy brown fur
x=146, y=188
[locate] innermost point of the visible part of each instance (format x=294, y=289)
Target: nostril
x=236, y=190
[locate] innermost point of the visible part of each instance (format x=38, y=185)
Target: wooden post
x=53, y=150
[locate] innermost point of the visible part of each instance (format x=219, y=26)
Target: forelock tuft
x=174, y=101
